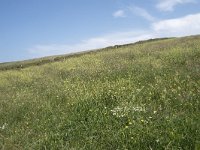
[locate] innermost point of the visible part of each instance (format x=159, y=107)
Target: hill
x=143, y=95
x=56, y=58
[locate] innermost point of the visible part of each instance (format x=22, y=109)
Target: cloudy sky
x=37, y=28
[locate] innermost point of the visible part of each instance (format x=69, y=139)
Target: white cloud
x=186, y=25
x=168, y=5
x=92, y=43
x=136, y=11
x=119, y=14
x=141, y=12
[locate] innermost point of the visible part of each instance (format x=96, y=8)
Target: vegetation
x=137, y=96
x=56, y=58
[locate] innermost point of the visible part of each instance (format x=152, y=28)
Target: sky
x=38, y=28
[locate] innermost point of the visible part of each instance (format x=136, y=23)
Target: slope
x=137, y=96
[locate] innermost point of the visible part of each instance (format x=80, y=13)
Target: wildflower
x=126, y=109
x=4, y=126
x=138, y=109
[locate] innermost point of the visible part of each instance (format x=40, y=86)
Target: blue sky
x=37, y=28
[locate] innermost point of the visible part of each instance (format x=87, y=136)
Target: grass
x=137, y=96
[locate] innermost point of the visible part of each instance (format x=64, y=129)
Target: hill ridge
x=55, y=58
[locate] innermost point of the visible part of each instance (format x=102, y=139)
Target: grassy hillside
x=56, y=58
x=139, y=96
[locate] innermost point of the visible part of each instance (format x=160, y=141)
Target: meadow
x=137, y=96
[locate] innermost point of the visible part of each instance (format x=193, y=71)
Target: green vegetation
x=137, y=96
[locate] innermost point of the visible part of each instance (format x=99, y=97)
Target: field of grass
x=139, y=96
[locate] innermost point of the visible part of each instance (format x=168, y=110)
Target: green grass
x=136, y=96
